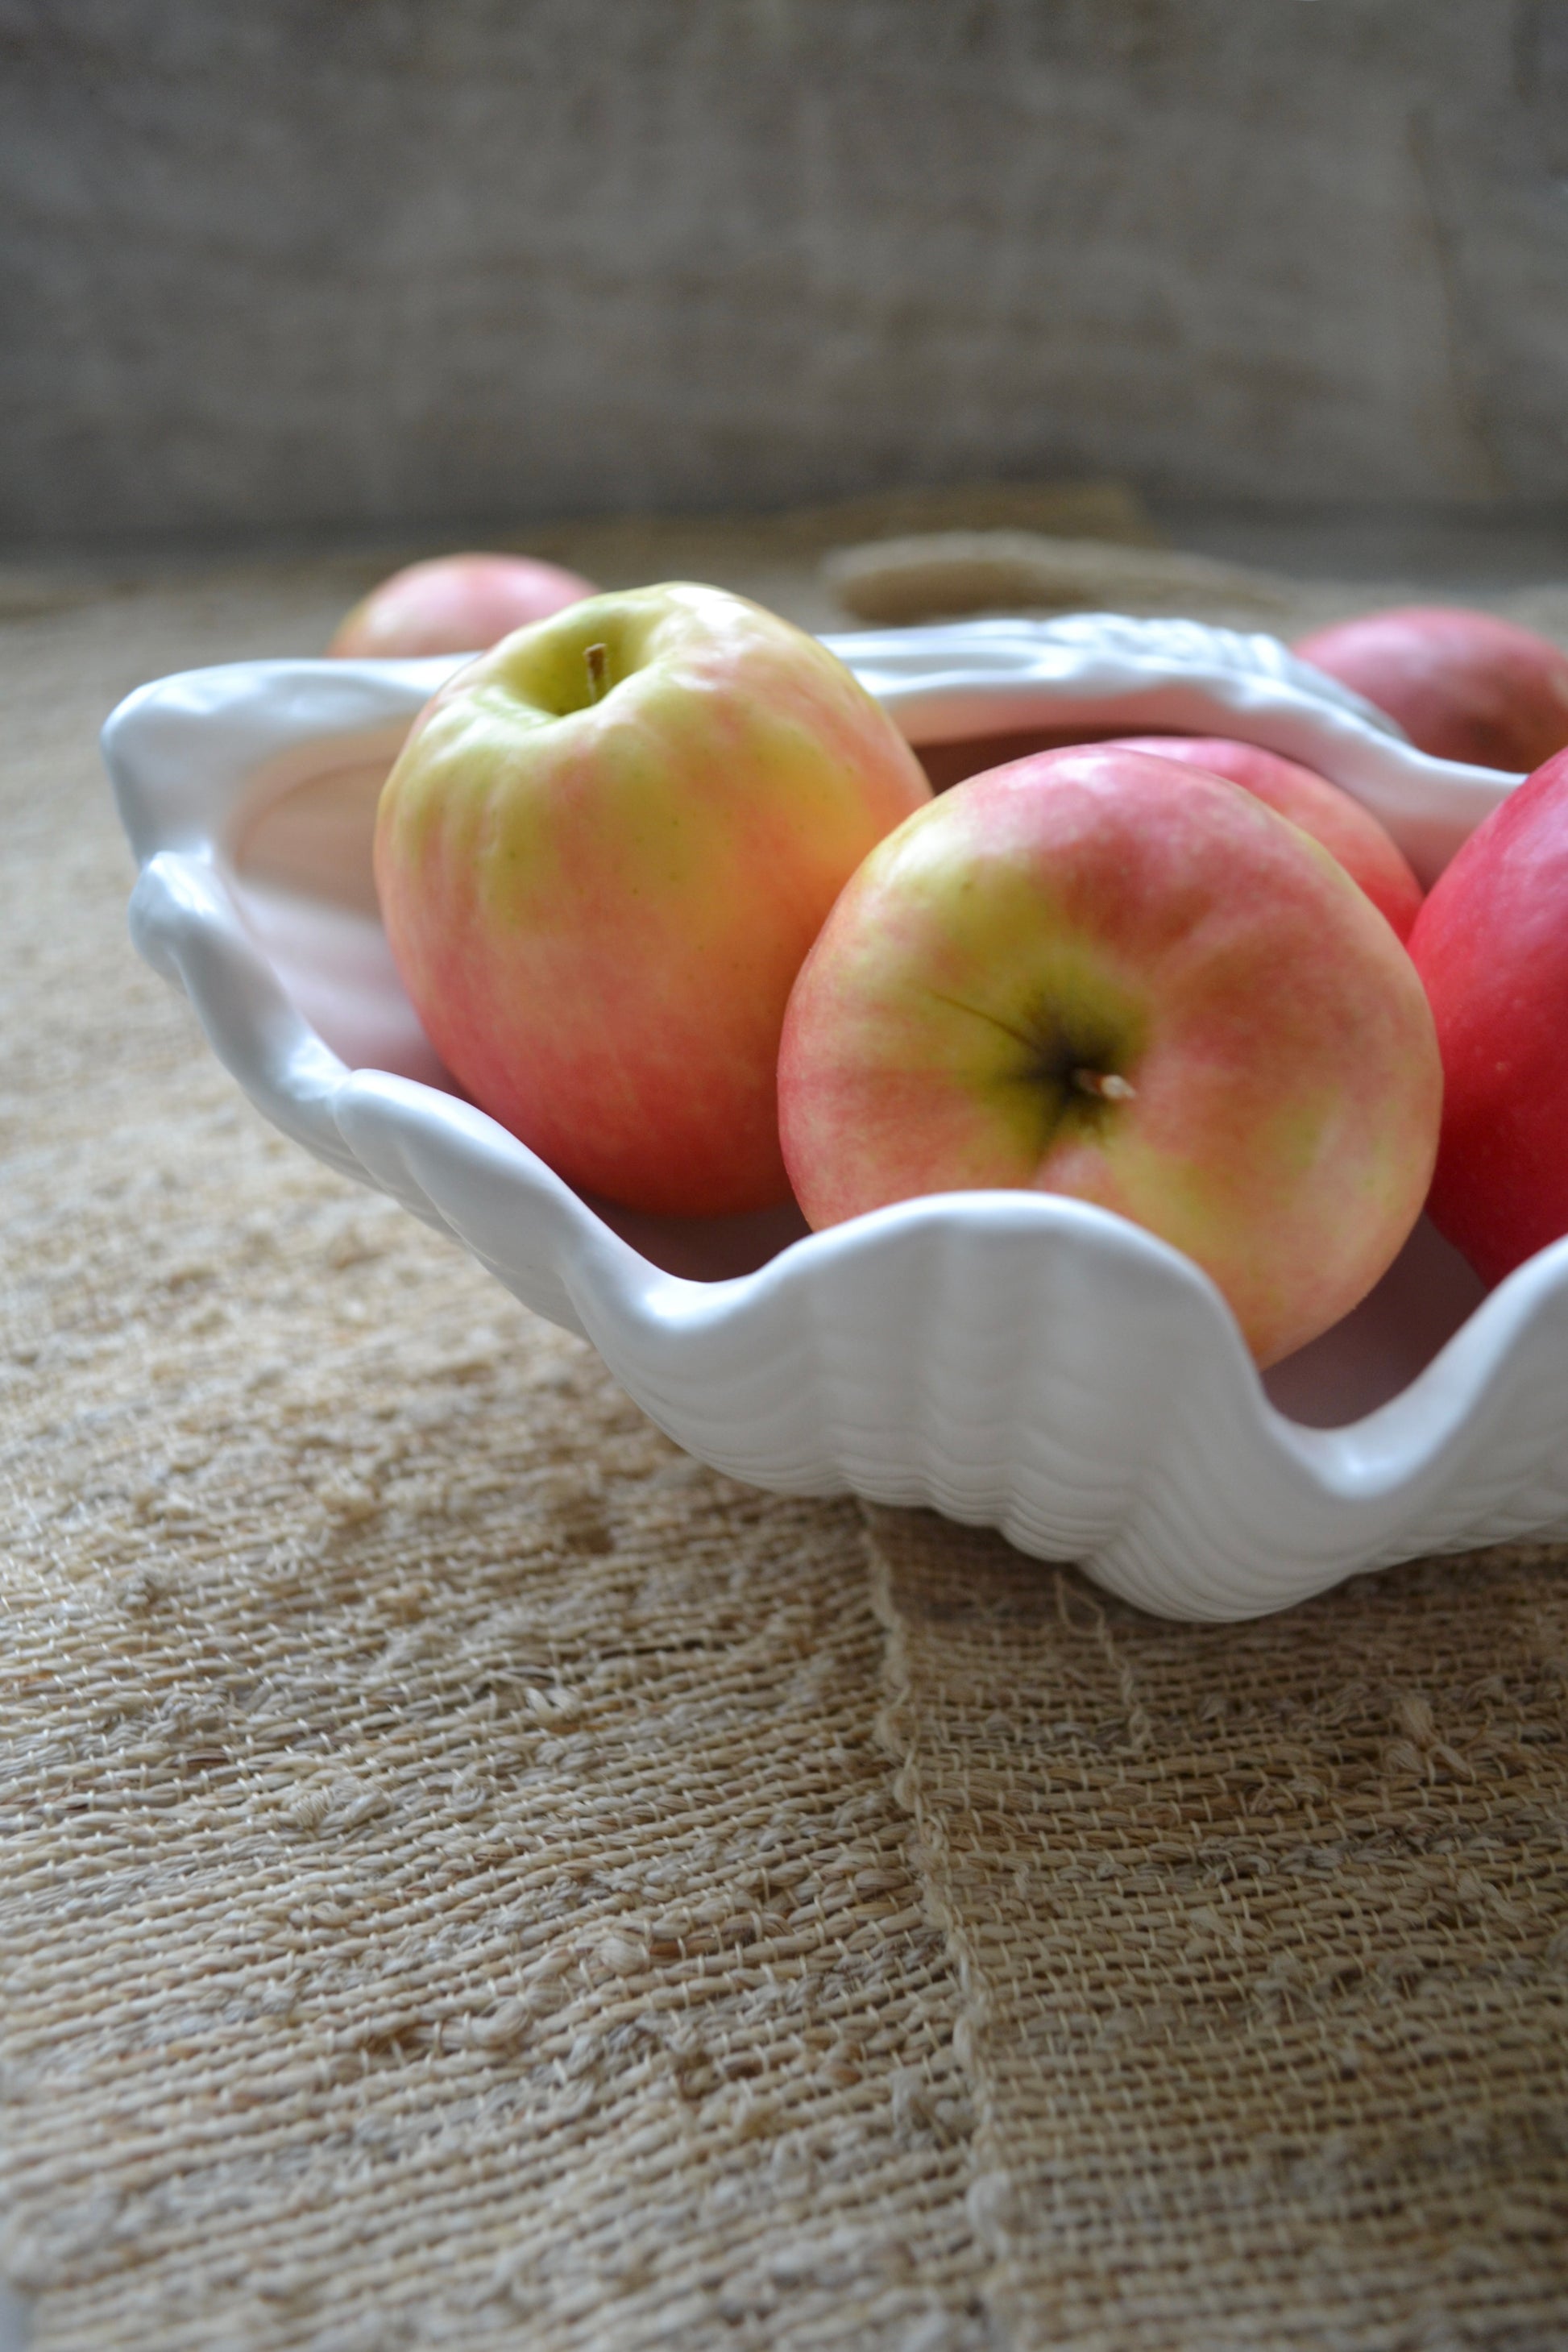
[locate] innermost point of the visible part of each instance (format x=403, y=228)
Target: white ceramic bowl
x=1009, y=1358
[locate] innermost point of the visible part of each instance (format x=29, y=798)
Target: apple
x=455, y=604
x=602, y=857
x=1463, y=685
x=1347, y=831
x=1065, y=976
x=1492, y=947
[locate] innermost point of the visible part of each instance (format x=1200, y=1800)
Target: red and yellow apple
x=1350, y=833
x=602, y=857
x=1463, y=685
x=454, y=604
x=1065, y=976
x=1492, y=947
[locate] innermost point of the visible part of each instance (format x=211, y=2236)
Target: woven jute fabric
x=1263, y=1937
x=475, y=1877
x=453, y=1893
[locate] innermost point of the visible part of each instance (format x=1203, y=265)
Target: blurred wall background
x=310, y=264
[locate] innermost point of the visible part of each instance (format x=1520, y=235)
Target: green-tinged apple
x=1347, y=831
x=454, y=604
x=1065, y=976
x=602, y=857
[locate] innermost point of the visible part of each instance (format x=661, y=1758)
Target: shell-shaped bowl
x=1009, y=1358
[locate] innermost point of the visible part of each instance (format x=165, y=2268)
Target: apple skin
x=1071, y=917
x=454, y=604
x=1350, y=833
x=1463, y=685
x=1492, y=947
x=599, y=906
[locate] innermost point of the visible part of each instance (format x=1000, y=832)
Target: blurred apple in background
x=1065, y=976
x=455, y=604
x=1492, y=947
x=1463, y=685
x=602, y=857
x=1350, y=833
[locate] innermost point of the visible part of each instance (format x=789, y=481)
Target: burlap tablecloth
x=475, y=1877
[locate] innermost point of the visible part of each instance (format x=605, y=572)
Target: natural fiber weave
x=893, y=582
x=464, y=1889
x=1263, y=1936
x=455, y=1893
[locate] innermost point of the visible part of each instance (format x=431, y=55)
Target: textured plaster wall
x=372, y=262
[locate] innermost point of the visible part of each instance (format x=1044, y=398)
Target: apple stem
x=599, y=660
x=1105, y=1085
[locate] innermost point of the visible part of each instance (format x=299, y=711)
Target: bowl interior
x=298, y=860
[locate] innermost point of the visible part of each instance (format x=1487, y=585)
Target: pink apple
x=1463, y=685
x=602, y=857
x=1350, y=833
x=455, y=604
x=1492, y=946
x=1065, y=976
